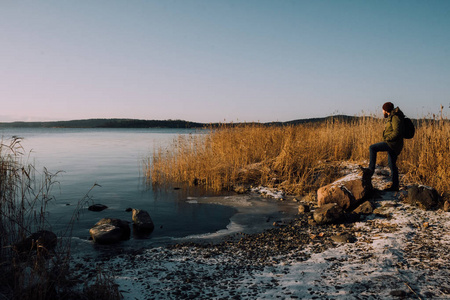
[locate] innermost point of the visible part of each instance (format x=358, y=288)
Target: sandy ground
x=399, y=252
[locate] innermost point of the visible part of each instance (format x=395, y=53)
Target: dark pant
x=392, y=159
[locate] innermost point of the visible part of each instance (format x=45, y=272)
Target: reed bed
x=297, y=159
x=35, y=272
x=426, y=157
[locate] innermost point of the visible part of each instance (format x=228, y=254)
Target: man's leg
x=373, y=150
x=392, y=160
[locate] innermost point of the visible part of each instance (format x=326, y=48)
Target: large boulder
x=360, y=188
x=110, y=231
x=40, y=240
x=142, y=221
x=424, y=197
x=328, y=213
x=346, y=192
x=334, y=193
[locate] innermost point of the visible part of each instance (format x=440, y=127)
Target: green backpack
x=408, y=128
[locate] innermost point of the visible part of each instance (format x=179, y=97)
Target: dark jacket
x=393, y=130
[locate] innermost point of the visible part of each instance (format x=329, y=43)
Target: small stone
x=447, y=206
x=398, y=293
x=366, y=208
x=240, y=189
x=303, y=209
x=277, y=223
x=97, y=207
x=328, y=213
x=311, y=222
x=344, y=238
x=426, y=225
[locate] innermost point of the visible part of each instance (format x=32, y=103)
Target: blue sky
x=210, y=60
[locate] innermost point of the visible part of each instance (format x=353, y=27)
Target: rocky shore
x=398, y=251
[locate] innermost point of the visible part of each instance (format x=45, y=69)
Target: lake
x=110, y=161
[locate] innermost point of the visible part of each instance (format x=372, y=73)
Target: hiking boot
x=391, y=189
x=367, y=171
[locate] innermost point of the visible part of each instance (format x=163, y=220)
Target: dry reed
x=297, y=159
x=426, y=158
x=33, y=272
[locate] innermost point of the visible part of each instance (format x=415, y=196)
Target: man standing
x=392, y=142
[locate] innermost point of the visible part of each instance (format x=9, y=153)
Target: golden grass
x=298, y=159
x=426, y=157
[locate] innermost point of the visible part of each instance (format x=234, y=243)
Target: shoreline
x=393, y=256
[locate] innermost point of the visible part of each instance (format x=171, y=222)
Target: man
x=392, y=142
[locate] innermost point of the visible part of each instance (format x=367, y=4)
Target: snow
x=394, y=256
x=268, y=192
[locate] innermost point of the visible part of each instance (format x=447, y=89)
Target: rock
x=345, y=192
x=311, y=222
x=366, y=208
x=333, y=193
x=328, y=213
x=359, y=188
x=344, y=238
x=398, y=293
x=310, y=197
x=382, y=212
x=110, y=231
x=447, y=206
x=240, y=189
x=97, y=207
x=42, y=239
x=424, y=197
x=303, y=208
x=142, y=221
x=277, y=223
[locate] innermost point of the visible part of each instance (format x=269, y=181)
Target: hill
x=137, y=123
x=105, y=123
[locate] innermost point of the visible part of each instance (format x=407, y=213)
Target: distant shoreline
x=138, y=123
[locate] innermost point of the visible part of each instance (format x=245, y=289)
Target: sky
x=228, y=60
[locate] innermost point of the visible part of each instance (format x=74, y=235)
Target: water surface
x=108, y=164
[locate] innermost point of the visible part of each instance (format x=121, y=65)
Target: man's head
x=387, y=108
